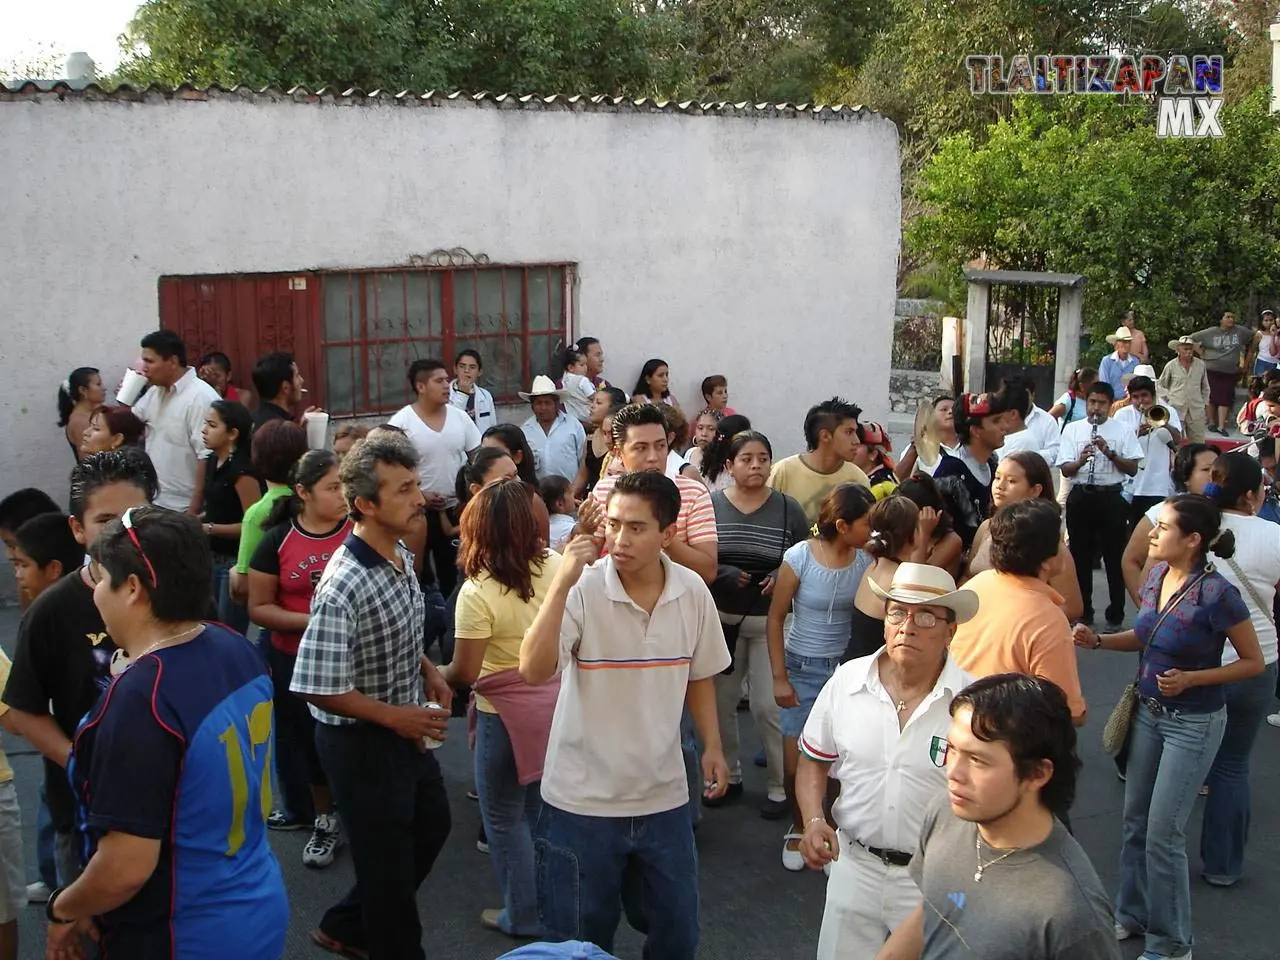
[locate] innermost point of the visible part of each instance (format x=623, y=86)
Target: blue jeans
x=46, y=860
x=591, y=868
x=1169, y=757
x=509, y=810
x=807, y=676
x=1226, y=810
x=232, y=614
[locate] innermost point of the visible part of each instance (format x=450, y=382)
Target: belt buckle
x=884, y=858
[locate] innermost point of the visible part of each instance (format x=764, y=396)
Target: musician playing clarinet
x=1159, y=431
x=1097, y=454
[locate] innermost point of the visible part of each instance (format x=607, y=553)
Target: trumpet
x=1157, y=416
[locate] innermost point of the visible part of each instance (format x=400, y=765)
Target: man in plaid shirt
x=360, y=666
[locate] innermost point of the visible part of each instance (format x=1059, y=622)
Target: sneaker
x=1273, y=719
x=38, y=892
x=482, y=842
x=1124, y=933
x=280, y=820
x=326, y=837
x=792, y=859
x=775, y=808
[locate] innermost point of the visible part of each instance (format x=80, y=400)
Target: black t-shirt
x=268, y=411
x=221, y=500
x=63, y=656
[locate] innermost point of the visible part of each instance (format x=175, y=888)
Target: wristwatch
x=48, y=908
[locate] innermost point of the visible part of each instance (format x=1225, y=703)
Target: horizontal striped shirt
x=753, y=543
x=697, y=520
x=615, y=739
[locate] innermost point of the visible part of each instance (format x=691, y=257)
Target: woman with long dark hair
x=1189, y=612
x=230, y=488
x=653, y=384
x=109, y=428
x=510, y=438
x=756, y=526
x=715, y=458
x=303, y=531
x=1238, y=489
x=939, y=546
x=604, y=404
x=508, y=570
x=895, y=529
x=78, y=397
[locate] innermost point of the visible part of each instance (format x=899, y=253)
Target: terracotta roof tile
x=30, y=91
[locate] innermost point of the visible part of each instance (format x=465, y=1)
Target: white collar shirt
x=888, y=777
x=175, y=443
x=1155, y=476
x=556, y=452
x=1102, y=472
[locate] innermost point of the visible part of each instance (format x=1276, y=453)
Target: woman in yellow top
x=508, y=567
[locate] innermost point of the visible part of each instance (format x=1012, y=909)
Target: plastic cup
x=317, y=424
x=131, y=387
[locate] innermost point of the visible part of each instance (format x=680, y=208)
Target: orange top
x=1019, y=628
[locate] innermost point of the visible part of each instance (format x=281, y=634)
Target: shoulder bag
x=1116, y=731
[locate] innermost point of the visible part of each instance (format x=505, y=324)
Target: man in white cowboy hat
x=882, y=720
x=557, y=439
x=1223, y=348
x=1121, y=361
x=1184, y=386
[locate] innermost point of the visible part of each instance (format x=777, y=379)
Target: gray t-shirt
x=1222, y=348
x=1042, y=903
x=754, y=542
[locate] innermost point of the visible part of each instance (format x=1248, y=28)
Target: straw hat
x=543, y=386
x=1181, y=342
x=920, y=583
x=1122, y=333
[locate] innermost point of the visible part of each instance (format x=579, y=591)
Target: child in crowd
x=44, y=551
x=704, y=429
x=605, y=402
x=558, y=496
x=677, y=440
x=715, y=394
x=15, y=510
x=578, y=387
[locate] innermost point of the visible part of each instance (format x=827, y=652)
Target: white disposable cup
x=131, y=388
x=317, y=423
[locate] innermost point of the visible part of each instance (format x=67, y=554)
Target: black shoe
x=774, y=809
x=1114, y=621
x=733, y=793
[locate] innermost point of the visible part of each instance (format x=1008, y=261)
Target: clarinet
x=1093, y=437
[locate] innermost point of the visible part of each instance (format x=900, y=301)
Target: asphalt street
x=752, y=909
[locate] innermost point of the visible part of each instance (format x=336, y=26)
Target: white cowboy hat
x=1122, y=333
x=543, y=386
x=920, y=583
x=1181, y=342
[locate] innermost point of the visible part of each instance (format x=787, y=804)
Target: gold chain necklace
x=132, y=660
x=977, y=849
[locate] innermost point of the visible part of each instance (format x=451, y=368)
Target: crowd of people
x=601, y=589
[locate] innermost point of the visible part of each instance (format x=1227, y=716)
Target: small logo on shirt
x=957, y=899
x=938, y=751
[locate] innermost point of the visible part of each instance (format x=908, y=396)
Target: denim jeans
x=509, y=810
x=297, y=762
x=46, y=861
x=1225, y=828
x=1169, y=757
x=234, y=615
x=591, y=868
x=396, y=816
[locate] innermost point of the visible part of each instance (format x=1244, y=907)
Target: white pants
x=866, y=900
x=751, y=658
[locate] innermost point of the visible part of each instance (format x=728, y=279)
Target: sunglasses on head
x=127, y=520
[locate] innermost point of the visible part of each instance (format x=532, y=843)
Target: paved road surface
x=751, y=908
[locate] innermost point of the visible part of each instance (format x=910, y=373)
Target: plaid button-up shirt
x=365, y=631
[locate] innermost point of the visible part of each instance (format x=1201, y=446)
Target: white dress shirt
x=888, y=777
x=175, y=424
x=1155, y=476
x=558, y=451
x=1039, y=434
x=1102, y=472
x=482, y=413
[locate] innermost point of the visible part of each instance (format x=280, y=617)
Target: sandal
x=792, y=860
x=326, y=942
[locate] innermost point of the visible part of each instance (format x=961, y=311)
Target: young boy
x=44, y=551
x=636, y=637
x=558, y=496
x=715, y=393
x=15, y=510
x=831, y=434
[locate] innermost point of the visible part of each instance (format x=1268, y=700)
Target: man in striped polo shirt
x=640, y=439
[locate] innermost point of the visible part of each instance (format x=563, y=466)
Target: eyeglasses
x=127, y=520
x=921, y=618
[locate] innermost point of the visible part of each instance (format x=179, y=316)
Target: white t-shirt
x=1155, y=476
x=175, y=420
x=578, y=393
x=440, y=453
x=675, y=463
x=1258, y=557
x=1039, y=435
x=614, y=749
x=1121, y=439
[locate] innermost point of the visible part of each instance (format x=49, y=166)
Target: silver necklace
x=977, y=849
x=119, y=667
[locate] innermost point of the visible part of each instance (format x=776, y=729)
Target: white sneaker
x=791, y=859
x=38, y=892
x=1274, y=719
x=326, y=837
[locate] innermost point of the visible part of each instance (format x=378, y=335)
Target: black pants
x=444, y=555
x=1097, y=525
x=297, y=762
x=1139, y=507
x=396, y=815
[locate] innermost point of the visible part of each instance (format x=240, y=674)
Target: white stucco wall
x=763, y=247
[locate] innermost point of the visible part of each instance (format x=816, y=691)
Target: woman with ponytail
x=1237, y=487
x=78, y=396
x=304, y=528
x=895, y=531
x=1189, y=612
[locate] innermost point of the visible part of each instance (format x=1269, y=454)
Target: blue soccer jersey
x=179, y=750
